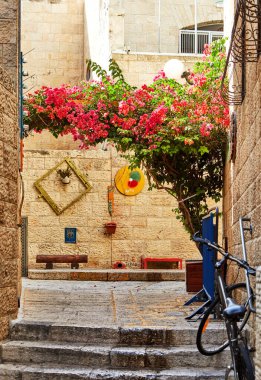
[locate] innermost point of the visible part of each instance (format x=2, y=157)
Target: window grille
x=187, y=40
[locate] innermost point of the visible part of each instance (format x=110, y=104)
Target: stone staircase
x=42, y=351
x=107, y=274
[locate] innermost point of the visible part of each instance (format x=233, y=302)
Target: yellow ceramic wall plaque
x=129, y=181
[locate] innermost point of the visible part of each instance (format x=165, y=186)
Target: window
x=206, y=34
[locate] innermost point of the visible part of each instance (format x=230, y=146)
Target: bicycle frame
x=231, y=312
x=231, y=325
x=241, y=263
x=221, y=287
x=242, y=229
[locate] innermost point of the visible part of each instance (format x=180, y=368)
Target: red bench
x=146, y=260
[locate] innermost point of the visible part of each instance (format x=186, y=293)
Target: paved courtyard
x=98, y=303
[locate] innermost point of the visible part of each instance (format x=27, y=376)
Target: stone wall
x=117, y=24
x=8, y=36
x=258, y=324
x=53, y=30
x=141, y=68
x=243, y=178
x=146, y=224
x=8, y=202
x=9, y=278
x=53, y=36
x=154, y=25
x=243, y=183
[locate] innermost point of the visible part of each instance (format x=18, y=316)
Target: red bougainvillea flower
x=178, y=132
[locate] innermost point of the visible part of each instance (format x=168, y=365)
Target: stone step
x=42, y=372
x=184, y=334
x=107, y=274
x=108, y=356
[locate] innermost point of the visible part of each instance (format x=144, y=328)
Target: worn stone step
x=108, y=356
x=35, y=331
x=182, y=335
x=43, y=372
x=108, y=274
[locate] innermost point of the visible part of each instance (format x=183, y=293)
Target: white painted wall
x=96, y=33
x=229, y=14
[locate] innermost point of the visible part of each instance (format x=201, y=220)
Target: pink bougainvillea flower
x=161, y=74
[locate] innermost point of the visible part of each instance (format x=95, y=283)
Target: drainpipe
x=159, y=24
x=196, y=27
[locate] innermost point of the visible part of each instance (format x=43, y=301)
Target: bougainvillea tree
x=177, y=132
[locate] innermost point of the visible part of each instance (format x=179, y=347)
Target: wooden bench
x=74, y=260
x=146, y=260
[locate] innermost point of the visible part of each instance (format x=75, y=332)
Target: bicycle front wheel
x=243, y=364
x=212, y=333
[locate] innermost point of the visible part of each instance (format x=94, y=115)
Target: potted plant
x=110, y=227
x=65, y=174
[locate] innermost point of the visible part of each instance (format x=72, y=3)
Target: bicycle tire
x=212, y=334
x=243, y=363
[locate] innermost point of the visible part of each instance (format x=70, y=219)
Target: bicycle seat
x=233, y=309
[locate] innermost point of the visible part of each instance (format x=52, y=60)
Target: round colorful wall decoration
x=129, y=181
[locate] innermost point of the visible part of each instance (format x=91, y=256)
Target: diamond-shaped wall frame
x=82, y=178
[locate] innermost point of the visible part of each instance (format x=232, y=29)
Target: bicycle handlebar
x=242, y=263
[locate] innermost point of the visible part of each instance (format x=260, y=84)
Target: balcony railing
x=187, y=41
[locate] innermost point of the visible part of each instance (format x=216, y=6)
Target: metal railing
x=187, y=41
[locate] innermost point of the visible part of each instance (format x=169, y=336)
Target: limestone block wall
x=117, y=24
x=153, y=26
x=8, y=36
x=242, y=186
x=243, y=178
x=243, y=181
x=9, y=251
x=146, y=224
x=139, y=68
x=53, y=30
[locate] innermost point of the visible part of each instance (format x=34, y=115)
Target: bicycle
x=228, y=314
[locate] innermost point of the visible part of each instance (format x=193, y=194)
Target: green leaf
x=203, y=149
